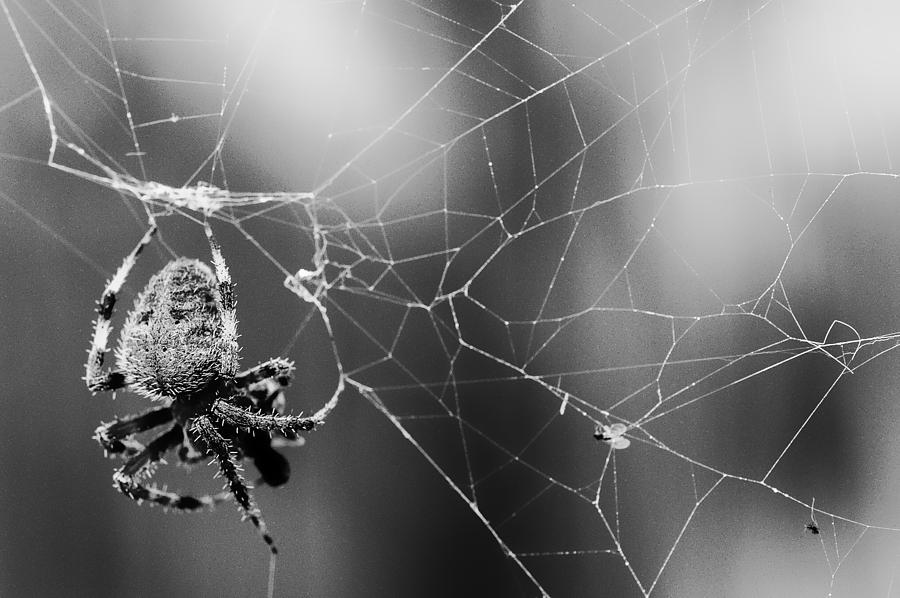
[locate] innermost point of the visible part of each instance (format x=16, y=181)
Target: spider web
x=507, y=227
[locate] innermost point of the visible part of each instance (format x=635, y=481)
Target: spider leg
x=218, y=446
x=95, y=377
x=244, y=418
x=128, y=478
x=275, y=469
x=226, y=288
x=115, y=437
x=259, y=445
x=268, y=395
x=282, y=370
x=139, y=465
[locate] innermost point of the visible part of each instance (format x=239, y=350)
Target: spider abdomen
x=172, y=342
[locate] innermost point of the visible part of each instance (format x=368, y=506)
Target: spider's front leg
x=266, y=395
x=115, y=437
x=129, y=478
x=274, y=468
x=219, y=447
x=264, y=386
x=226, y=289
x=244, y=418
x=95, y=377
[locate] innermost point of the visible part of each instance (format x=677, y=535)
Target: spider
x=178, y=347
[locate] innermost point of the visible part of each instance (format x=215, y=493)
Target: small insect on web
x=813, y=525
x=178, y=347
x=613, y=435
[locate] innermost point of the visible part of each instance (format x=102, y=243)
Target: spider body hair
x=172, y=343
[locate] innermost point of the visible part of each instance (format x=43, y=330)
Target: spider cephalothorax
x=179, y=348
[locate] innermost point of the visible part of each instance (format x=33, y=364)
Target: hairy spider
x=179, y=348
